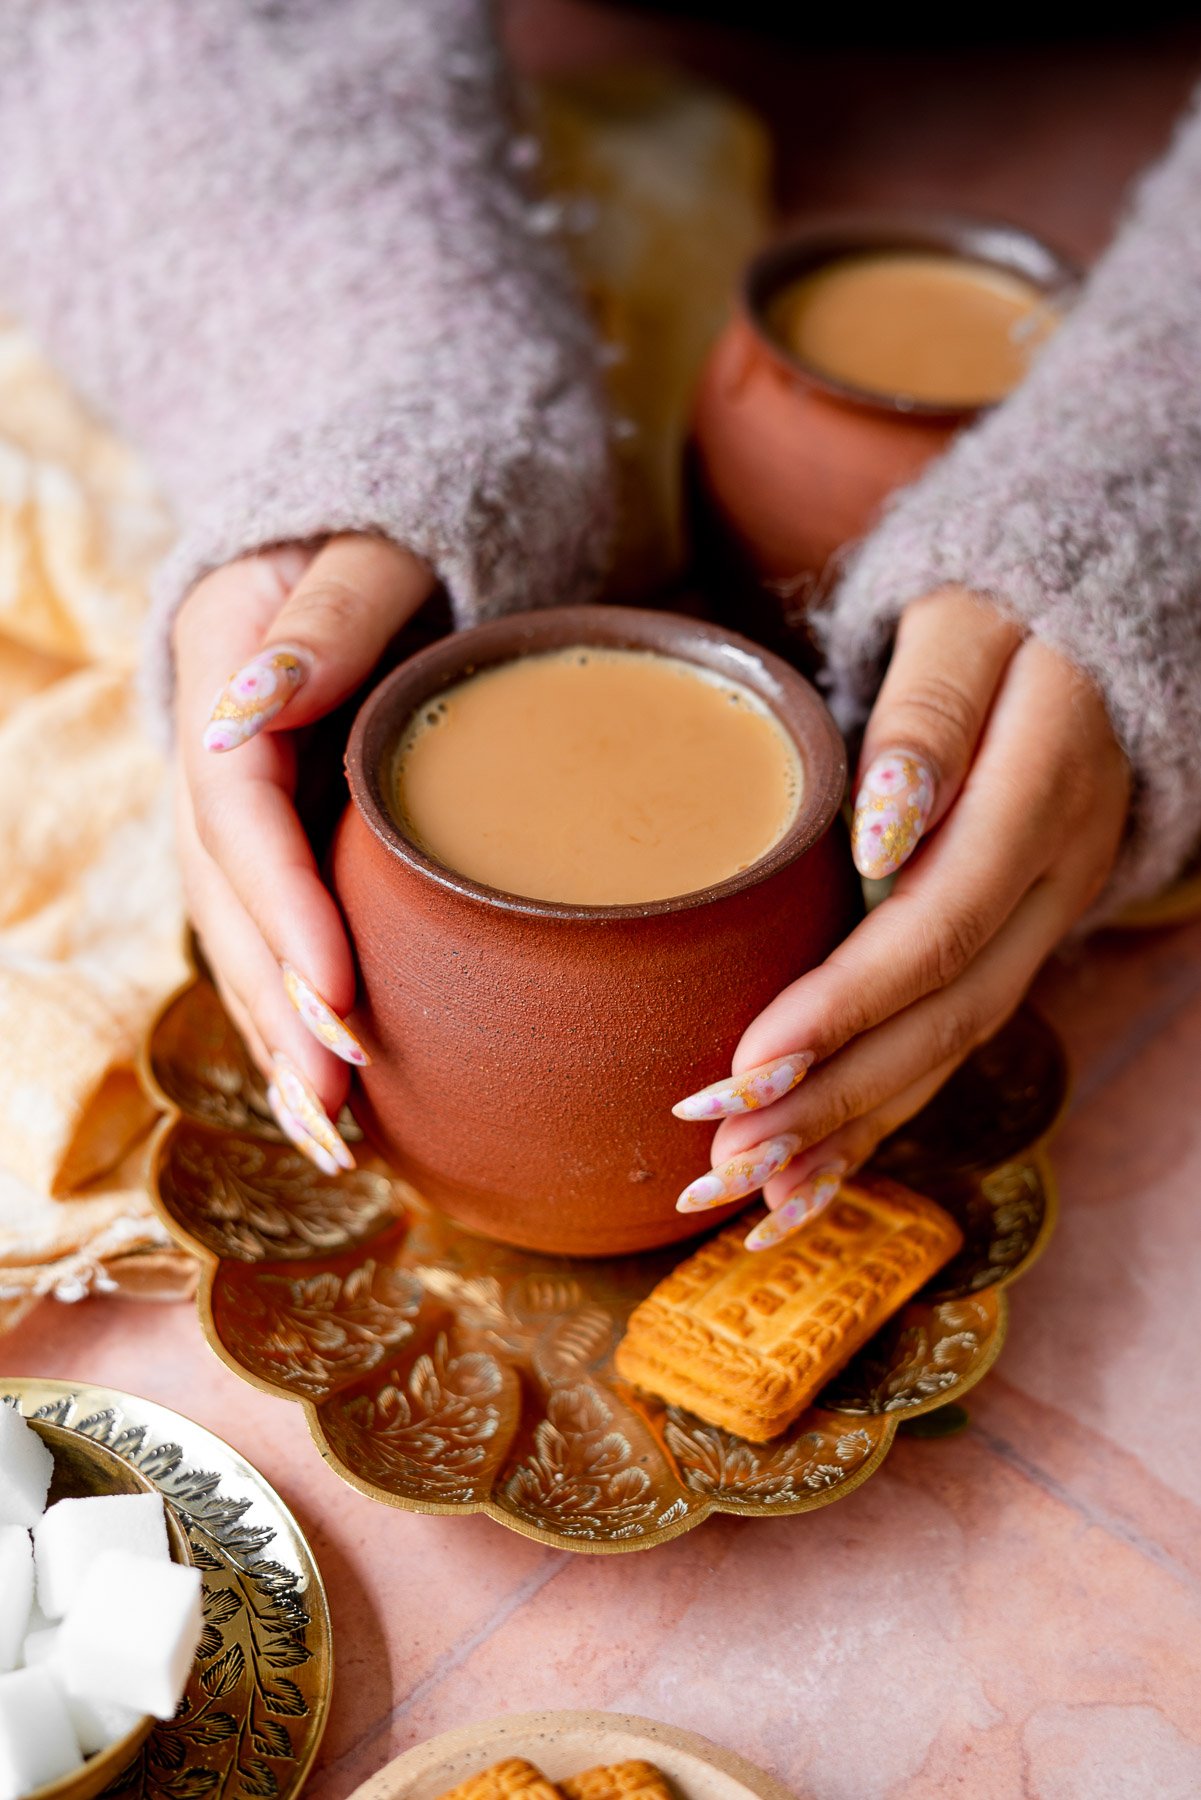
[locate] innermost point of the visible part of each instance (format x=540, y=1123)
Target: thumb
x=951, y=651
x=325, y=639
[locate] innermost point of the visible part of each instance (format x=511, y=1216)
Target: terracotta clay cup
x=526, y=1055
x=789, y=467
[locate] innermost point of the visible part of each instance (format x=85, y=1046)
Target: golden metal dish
x=445, y=1373
x=257, y=1700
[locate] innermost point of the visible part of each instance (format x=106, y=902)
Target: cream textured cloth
x=91, y=921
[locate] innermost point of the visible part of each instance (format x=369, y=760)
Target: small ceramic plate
x=445, y=1373
x=256, y=1704
x=567, y=1743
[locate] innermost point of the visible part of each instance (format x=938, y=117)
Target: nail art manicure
x=300, y=1101
x=322, y=1020
x=746, y=1092
x=740, y=1176
x=807, y=1198
x=252, y=697
x=891, y=809
x=296, y=1134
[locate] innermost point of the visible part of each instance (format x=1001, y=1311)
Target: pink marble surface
x=1016, y=1610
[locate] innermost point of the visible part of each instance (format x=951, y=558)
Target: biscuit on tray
x=512, y=1779
x=632, y=1780
x=746, y=1338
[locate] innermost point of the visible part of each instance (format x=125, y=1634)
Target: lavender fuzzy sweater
x=285, y=245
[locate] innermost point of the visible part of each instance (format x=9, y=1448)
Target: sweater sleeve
x=1076, y=506
x=284, y=245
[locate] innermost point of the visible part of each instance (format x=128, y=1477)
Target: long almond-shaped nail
x=740, y=1176
x=321, y=1019
x=746, y=1092
x=251, y=698
x=892, y=806
x=296, y=1134
x=806, y=1199
x=300, y=1101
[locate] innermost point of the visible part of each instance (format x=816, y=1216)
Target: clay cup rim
x=809, y=243
x=794, y=703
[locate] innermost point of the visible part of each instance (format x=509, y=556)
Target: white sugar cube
x=98, y=1723
x=131, y=1631
x=16, y=1592
x=39, y=1645
x=37, y=1739
x=68, y=1539
x=26, y=1467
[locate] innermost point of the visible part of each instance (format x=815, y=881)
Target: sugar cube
x=37, y=1739
x=98, y=1723
x=68, y=1538
x=26, y=1467
x=131, y=1631
x=16, y=1592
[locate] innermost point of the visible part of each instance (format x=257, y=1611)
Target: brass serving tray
x=256, y=1704
x=444, y=1373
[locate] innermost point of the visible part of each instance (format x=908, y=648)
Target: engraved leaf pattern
x=711, y=1461
x=927, y=1352
x=581, y=1476
x=256, y=1202
x=232, y=1714
x=317, y=1332
x=431, y=1432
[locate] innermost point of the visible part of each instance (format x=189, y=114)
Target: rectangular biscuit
x=746, y=1338
x=512, y=1779
x=632, y=1780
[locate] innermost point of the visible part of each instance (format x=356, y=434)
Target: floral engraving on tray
x=260, y=1202
x=499, y=1387
x=711, y=1461
x=925, y=1352
x=313, y=1333
x=250, y=1695
x=433, y=1432
x=581, y=1477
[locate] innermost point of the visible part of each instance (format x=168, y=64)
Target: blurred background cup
x=790, y=466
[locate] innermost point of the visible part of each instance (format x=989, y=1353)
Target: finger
x=324, y=641
x=815, y=1176
x=950, y=656
x=1016, y=818
x=247, y=976
x=941, y=1029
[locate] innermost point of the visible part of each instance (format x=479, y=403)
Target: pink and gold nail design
x=744, y=1093
x=252, y=697
x=300, y=1103
x=296, y=1134
x=321, y=1019
x=808, y=1198
x=892, y=806
x=740, y=1176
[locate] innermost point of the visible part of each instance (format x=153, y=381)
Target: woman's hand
x=301, y=629
x=996, y=757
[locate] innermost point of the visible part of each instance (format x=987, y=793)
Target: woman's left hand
x=991, y=777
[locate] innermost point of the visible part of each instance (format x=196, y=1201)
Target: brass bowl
x=86, y=1470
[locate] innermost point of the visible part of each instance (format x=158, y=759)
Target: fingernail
x=742, y=1175
x=296, y=1134
x=891, y=810
x=322, y=1020
x=253, y=697
x=806, y=1199
x=746, y=1092
x=300, y=1101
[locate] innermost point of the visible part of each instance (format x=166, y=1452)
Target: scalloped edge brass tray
x=444, y=1373
x=267, y=1649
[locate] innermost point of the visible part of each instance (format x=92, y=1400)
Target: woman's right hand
x=265, y=646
